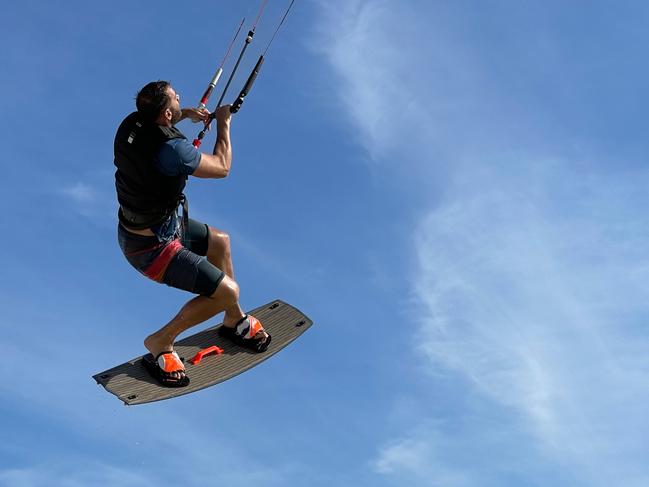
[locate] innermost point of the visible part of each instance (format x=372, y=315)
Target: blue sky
x=453, y=191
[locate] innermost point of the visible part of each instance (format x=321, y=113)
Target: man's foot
x=167, y=369
x=247, y=332
x=159, y=344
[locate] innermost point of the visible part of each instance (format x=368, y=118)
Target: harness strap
x=185, y=204
x=142, y=220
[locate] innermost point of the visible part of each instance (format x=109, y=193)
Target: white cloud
x=541, y=309
x=370, y=55
x=80, y=193
x=531, y=271
x=420, y=458
x=96, y=474
x=531, y=303
x=409, y=455
x=91, y=202
x=107, y=475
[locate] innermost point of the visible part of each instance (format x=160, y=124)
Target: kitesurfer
x=153, y=160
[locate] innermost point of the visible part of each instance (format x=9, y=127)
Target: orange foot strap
x=251, y=329
x=170, y=362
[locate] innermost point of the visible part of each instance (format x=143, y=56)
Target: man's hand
x=223, y=115
x=196, y=115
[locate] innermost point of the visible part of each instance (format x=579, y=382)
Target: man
x=153, y=160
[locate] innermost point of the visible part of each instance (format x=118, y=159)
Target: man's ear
x=168, y=114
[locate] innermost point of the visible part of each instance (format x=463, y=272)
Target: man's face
x=174, y=105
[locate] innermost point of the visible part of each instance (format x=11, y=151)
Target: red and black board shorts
x=179, y=262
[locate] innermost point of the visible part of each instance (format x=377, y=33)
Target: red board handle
x=206, y=351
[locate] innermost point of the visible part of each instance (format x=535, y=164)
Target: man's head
x=157, y=102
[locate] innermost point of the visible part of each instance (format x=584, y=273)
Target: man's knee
x=219, y=241
x=227, y=290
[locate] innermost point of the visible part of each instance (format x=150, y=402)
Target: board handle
x=202, y=353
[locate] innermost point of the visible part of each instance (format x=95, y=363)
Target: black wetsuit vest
x=146, y=196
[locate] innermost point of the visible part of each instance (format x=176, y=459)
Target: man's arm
x=217, y=165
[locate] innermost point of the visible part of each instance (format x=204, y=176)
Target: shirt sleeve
x=177, y=157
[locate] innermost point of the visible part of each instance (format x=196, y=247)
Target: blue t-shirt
x=176, y=157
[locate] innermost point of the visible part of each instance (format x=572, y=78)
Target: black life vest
x=146, y=196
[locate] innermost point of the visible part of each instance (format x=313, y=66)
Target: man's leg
x=214, y=244
x=198, y=310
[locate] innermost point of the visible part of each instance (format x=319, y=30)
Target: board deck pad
x=131, y=382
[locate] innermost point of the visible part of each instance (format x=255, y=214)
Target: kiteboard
x=209, y=358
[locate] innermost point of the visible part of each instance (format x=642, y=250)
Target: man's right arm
x=217, y=165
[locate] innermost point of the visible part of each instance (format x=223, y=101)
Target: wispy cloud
x=108, y=475
x=540, y=307
x=368, y=69
x=72, y=476
x=415, y=458
x=408, y=454
x=80, y=193
x=90, y=201
x=423, y=456
x=530, y=268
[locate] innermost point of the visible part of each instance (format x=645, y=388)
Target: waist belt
x=139, y=220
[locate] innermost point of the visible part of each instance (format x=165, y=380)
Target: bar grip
x=236, y=105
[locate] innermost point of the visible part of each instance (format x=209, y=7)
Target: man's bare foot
x=164, y=369
x=259, y=340
x=158, y=343
x=230, y=322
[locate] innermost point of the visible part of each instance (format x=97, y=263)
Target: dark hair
x=152, y=99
